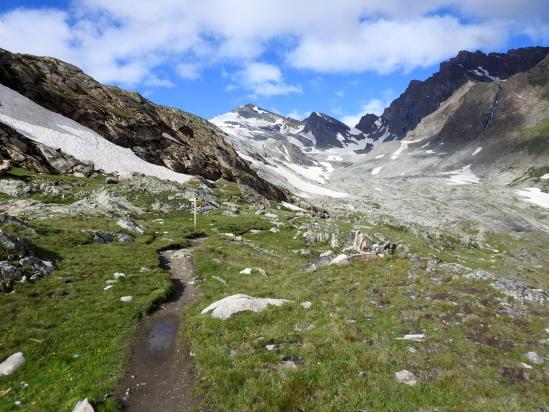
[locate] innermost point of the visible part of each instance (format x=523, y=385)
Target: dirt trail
x=159, y=376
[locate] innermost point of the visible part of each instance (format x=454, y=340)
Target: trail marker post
x=194, y=200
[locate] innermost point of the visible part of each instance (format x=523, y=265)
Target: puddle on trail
x=162, y=335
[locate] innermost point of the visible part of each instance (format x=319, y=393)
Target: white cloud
x=188, y=71
x=298, y=115
x=388, y=45
x=375, y=106
x=263, y=79
x=124, y=41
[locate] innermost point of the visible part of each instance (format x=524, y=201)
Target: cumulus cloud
x=125, y=41
x=263, y=79
x=406, y=45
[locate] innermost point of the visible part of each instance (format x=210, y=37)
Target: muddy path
x=159, y=375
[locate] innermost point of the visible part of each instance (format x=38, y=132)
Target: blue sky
x=343, y=58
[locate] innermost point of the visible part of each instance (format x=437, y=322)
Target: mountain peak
x=422, y=98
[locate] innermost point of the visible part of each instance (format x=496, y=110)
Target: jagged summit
x=422, y=98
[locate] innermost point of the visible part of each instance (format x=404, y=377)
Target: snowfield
x=535, y=196
x=462, y=176
x=306, y=189
x=59, y=132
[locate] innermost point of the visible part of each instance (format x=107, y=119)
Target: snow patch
x=403, y=146
x=535, y=196
x=306, y=187
x=545, y=176
x=462, y=176
x=292, y=207
x=380, y=157
x=477, y=151
x=376, y=170
x=57, y=131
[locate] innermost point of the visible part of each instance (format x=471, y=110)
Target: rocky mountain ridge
x=422, y=98
x=317, y=132
x=157, y=134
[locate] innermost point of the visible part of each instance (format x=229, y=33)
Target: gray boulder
x=8, y=275
x=12, y=247
x=130, y=226
x=124, y=238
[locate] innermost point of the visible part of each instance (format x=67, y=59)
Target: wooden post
x=194, y=200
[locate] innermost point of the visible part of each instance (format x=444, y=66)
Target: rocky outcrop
x=328, y=132
x=160, y=135
x=23, y=152
x=17, y=263
x=424, y=97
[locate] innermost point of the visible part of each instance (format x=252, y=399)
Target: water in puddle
x=162, y=335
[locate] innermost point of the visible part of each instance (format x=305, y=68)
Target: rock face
x=225, y=308
x=159, y=135
x=37, y=157
x=327, y=132
x=422, y=98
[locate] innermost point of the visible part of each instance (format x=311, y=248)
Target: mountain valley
x=397, y=264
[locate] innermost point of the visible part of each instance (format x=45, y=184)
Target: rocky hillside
x=160, y=135
x=422, y=98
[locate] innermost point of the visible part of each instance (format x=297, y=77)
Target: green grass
x=344, y=346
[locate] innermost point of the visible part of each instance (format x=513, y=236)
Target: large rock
x=406, y=377
x=5, y=167
x=11, y=364
x=225, y=308
x=38, y=157
x=35, y=268
x=15, y=188
x=130, y=226
x=83, y=406
x=12, y=247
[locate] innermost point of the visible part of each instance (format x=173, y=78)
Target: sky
x=341, y=57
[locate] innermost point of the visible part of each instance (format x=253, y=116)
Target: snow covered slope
x=59, y=132
x=318, y=132
x=278, y=150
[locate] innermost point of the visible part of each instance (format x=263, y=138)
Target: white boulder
x=406, y=377
x=11, y=364
x=340, y=260
x=130, y=226
x=246, y=271
x=226, y=307
x=306, y=305
x=416, y=337
x=534, y=358
x=126, y=298
x=83, y=406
